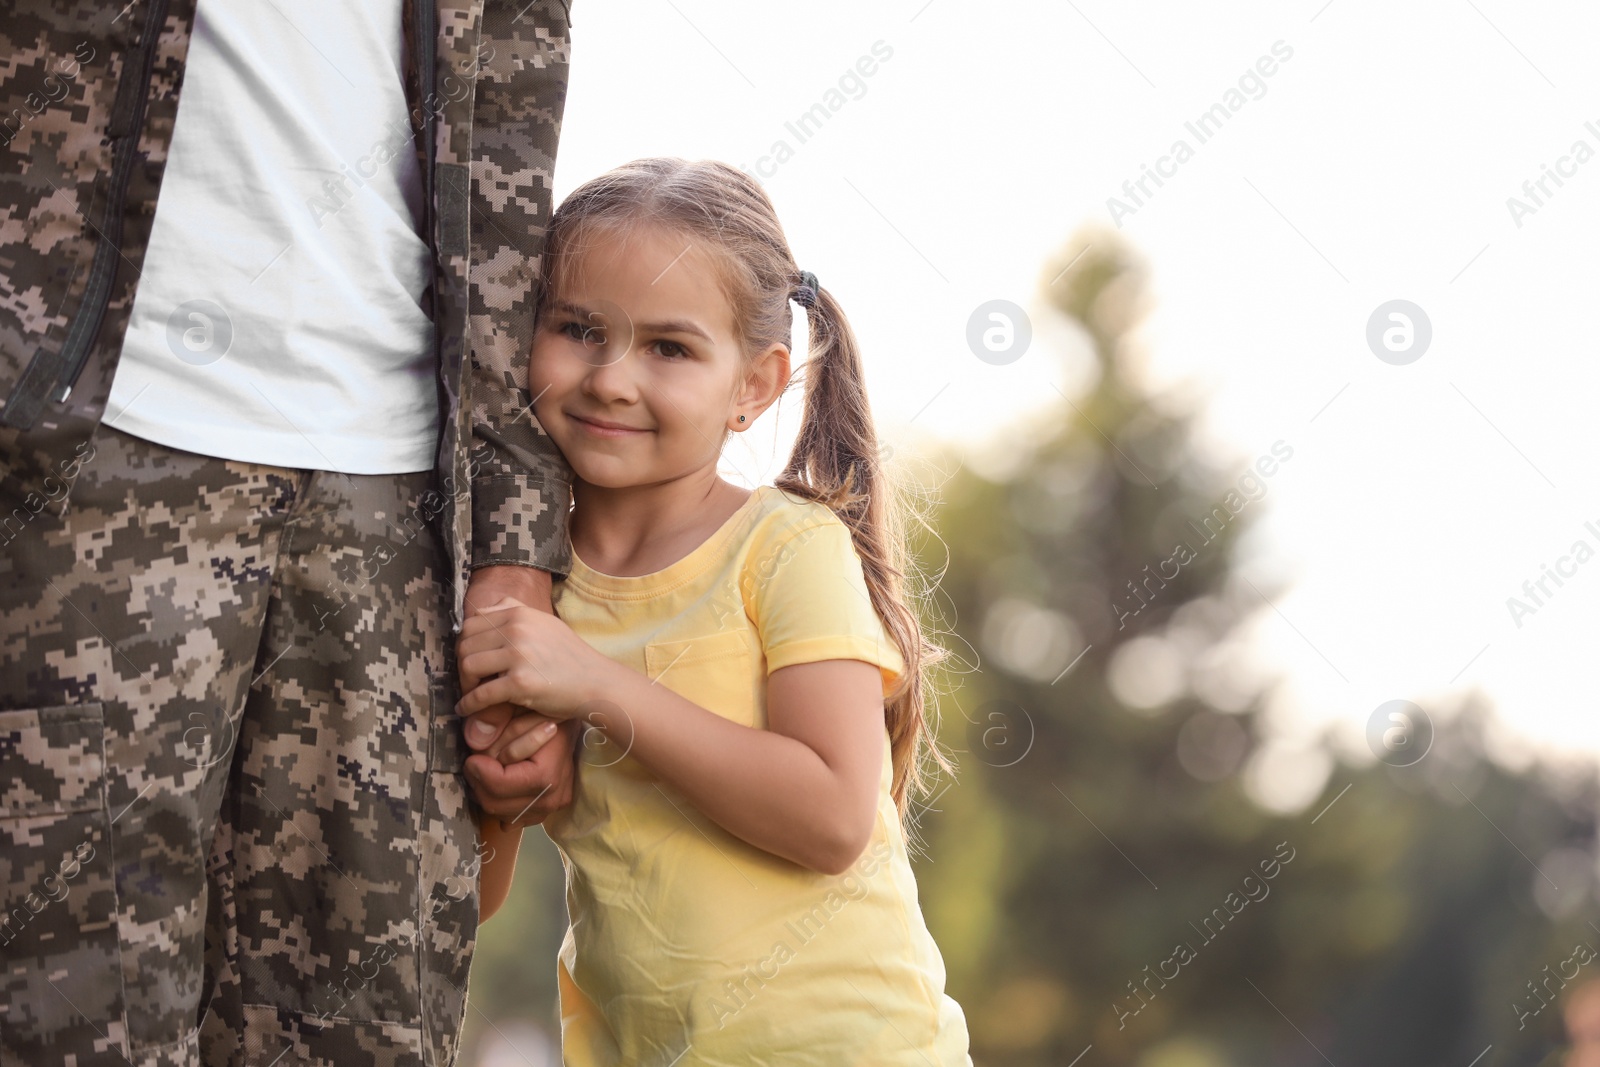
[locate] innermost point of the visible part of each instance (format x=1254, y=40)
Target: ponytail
x=836, y=462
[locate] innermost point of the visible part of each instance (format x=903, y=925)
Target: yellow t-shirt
x=686, y=945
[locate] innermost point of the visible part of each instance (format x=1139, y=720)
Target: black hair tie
x=806, y=293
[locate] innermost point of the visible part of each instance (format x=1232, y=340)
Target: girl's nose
x=610, y=374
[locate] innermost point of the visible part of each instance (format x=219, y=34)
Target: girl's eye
x=672, y=350
x=585, y=333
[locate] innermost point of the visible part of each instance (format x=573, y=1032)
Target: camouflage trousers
x=233, y=824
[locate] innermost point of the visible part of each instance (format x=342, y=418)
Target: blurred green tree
x=1097, y=875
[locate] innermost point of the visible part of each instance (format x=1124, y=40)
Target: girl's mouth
x=602, y=428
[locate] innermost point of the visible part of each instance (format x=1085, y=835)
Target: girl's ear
x=764, y=381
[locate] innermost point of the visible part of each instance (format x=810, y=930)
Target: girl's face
x=636, y=371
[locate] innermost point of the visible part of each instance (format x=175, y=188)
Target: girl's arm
x=805, y=788
x=499, y=851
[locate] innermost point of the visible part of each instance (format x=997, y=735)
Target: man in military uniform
x=261, y=451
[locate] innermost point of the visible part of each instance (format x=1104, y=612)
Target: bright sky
x=1375, y=167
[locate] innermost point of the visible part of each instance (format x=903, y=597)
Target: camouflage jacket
x=88, y=96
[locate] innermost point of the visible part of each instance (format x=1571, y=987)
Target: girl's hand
x=522, y=739
x=540, y=663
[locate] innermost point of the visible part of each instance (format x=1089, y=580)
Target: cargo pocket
x=716, y=671
x=59, y=919
x=446, y=747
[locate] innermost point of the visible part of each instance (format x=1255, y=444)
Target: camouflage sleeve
x=521, y=484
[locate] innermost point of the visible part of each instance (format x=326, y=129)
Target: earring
x=741, y=418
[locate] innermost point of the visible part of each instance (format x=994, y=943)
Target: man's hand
x=523, y=793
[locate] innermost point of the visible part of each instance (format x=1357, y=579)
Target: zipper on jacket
x=54, y=376
x=427, y=53
x=425, y=48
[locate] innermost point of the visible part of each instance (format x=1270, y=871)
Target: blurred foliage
x=514, y=968
x=1080, y=844
x=1100, y=813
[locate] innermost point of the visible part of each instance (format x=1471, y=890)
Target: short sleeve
x=810, y=603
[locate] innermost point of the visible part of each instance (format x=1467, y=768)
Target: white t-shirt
x=278, y=318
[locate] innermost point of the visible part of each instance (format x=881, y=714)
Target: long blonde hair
x=836, y=459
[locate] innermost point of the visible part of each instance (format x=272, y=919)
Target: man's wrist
x=490, y=583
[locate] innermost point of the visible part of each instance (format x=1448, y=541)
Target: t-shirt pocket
x=716, y=671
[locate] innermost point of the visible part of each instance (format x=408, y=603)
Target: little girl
x=746, y=666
